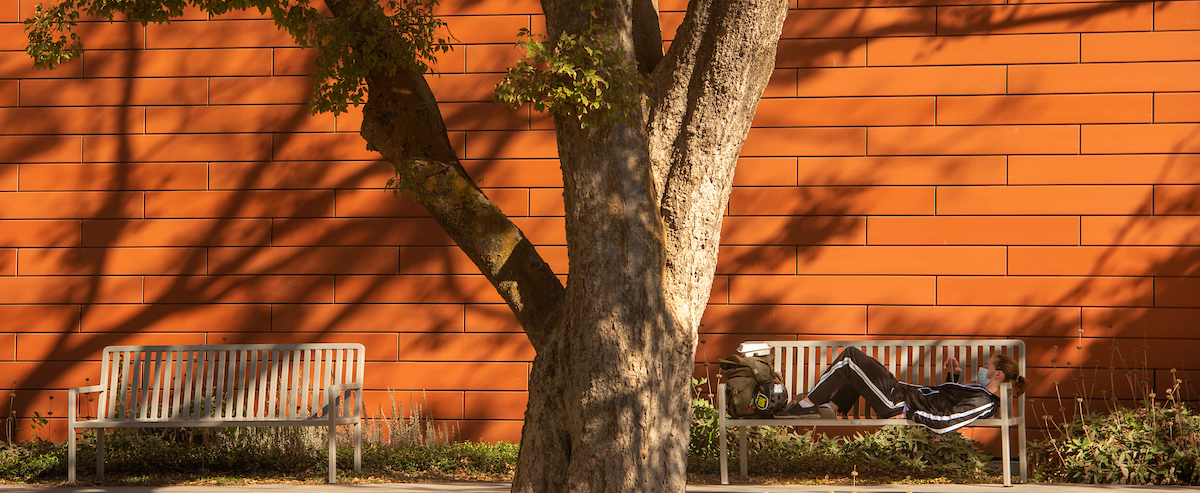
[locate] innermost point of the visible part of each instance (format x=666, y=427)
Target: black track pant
x=853, y=375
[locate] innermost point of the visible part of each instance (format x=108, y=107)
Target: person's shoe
x=795, y=410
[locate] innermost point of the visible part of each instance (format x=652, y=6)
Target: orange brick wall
x=918, y=168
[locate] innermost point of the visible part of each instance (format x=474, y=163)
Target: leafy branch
x=586, y=76
x=365, y=38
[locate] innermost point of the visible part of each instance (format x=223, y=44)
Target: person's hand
x=952, y=366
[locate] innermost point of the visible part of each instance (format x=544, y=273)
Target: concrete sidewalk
x=504, y=487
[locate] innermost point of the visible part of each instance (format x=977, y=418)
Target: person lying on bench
x=942, y=408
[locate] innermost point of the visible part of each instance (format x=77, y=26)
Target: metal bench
x=234, y=385
x=917, y=362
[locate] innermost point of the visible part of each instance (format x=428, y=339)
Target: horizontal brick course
x=783, y=319
x=239, y=289
x=1170, y=16
x=132, y=176
x=40, y=318
x=52, y=233
x=838, y=290
x=70, y=205
x=1046, y=291
x=1099, y=169
x=1028, y=139
x=973, y=230
x=848, y=141
x=419, y=319
x=170, y=63
x=1060, y=109
x=415, y=289
x=1082, y=17
x=1176, y=199
x=830, y=52
x=18, y=65
x=837, y=112
x=175, y=318
x=217, y=34
x=1131, y=139
x=1140, y=230
x=1128, y=322
x=792, y=230
x=114, y=91
x=972, y=321
x=259, y=90
x=848, y=22
x=306, y=260
x=1103, y=261
x=213, y=204
x=777, y=201
x=112, y=262
x=1104, y=77
x=974, y=50
x=174, y=232
x=175, y=147
x=1042, y=200
x=902, y=170
x=235, y=119
x=75, y=289
x=918, y=260
x=900, y=81
x=449, y=376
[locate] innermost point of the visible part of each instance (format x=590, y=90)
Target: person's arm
x=961, y=410
x=953, y=370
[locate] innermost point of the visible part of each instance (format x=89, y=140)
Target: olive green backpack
x=743, y=376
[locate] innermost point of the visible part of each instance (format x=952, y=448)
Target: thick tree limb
x=401, y=120
x=707, y=89
x=647, y=35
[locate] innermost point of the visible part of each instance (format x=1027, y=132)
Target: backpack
x=744, y=377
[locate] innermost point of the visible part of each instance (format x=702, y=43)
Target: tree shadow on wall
x=1095, y=285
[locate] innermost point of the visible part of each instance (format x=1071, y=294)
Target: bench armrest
x=338, y=387
x=86, y=390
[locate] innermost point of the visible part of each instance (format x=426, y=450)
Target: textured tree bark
x=609, y=396
x=609, y=386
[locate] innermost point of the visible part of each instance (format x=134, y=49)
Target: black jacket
x=949, y=406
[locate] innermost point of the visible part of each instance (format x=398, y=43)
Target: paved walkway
x=503, y=487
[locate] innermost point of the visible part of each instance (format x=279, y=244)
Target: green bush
x=1153, y=444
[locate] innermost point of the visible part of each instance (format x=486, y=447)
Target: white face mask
x=982, y=377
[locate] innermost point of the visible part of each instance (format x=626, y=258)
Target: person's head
x=1004, y=368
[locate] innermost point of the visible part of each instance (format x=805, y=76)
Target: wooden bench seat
x=918, y=362
x=231, y=385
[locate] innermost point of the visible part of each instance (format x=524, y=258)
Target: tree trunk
x=609, y=389
x=608, y=394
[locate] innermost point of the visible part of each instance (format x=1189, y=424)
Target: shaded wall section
x=917, y=169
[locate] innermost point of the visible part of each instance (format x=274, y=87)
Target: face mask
x=982, y=377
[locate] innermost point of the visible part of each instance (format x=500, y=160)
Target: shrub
x=1154, y=444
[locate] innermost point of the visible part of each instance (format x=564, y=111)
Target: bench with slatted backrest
x=232, y=385
x=919, y=362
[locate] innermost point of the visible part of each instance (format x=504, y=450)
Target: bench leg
x=1006, y=453
x=71, y=453
x=100, y=432
x=358, y=448
x=1023, y=458
x=332, y=453
x=721, y=437
x=742, y=453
